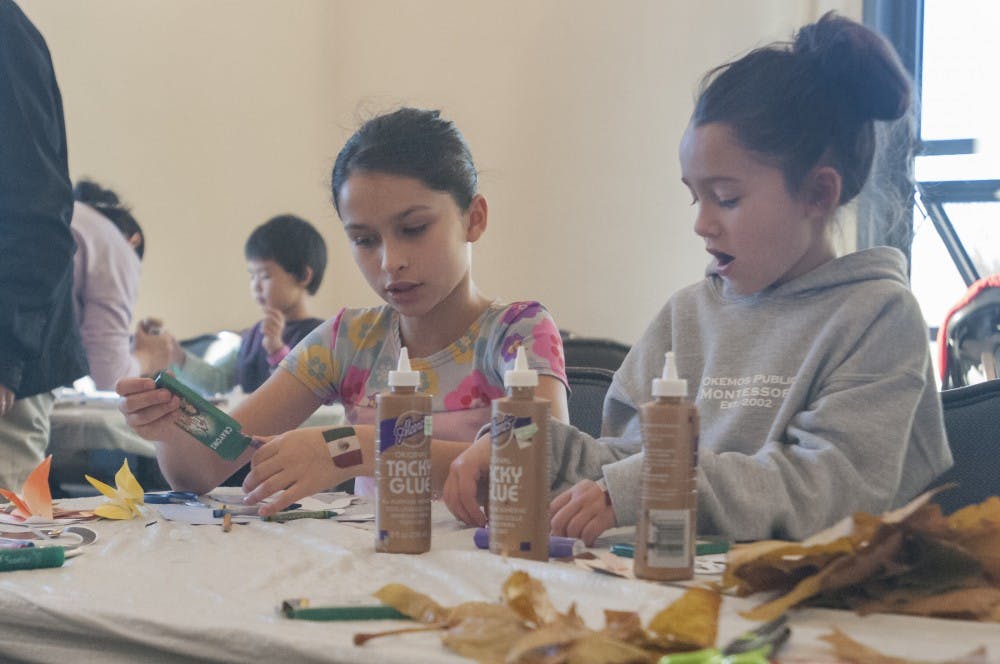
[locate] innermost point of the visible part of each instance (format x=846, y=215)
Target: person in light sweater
x=811, y=372
x=110, y=245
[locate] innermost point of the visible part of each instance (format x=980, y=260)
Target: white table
x=171, y=592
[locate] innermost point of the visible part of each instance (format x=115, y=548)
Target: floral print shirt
x=348, y=359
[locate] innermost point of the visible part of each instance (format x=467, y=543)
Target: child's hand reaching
x=465, y=474
x=582, y=512
x=155, y=348
x=272, y=327
x=298, y=462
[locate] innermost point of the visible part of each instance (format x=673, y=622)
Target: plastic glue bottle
x=403, y=464
x=519, y=467
x=665, y=541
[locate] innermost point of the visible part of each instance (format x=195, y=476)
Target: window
x=951, y=47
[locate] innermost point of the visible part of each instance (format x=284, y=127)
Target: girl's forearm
x=190, y=466
x=443, y=452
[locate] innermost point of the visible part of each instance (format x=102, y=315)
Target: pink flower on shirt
x=519, y=310
x=473, y=392
x=548, y=344
x=352, y=388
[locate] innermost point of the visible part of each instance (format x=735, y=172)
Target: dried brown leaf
x=528, y=597
x=624, y=626
x=982, y=603
x=484, y=632
x=690, y=623
x=416, y=605
x=976, y=528
x=548, y=646
x=528, y=629
x=888, y=563
x=849, y=650
x=775, y=565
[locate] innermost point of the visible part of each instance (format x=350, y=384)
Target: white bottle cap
x=520, y=375
x=670, y=385
x=403, y=376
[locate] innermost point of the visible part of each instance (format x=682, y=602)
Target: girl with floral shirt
x=404, y=186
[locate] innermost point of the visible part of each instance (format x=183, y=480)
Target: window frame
x=902, y=23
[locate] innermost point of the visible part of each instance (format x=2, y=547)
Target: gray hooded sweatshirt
x=816, y=397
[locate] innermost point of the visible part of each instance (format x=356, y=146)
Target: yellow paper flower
x=125, y=499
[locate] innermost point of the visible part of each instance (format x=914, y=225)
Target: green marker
x=702, y=548
x=206, y=423
x=31, y=558
x=299, y=609
x=281, y=517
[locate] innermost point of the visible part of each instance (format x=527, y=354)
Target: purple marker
x=559, y=547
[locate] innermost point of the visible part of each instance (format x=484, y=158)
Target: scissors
x=170, y=497
x=753, y=647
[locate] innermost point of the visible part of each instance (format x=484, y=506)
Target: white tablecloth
x=171, y=592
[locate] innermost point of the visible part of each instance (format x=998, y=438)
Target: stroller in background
x=969, y=339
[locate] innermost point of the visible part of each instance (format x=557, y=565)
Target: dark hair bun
x=112, y=208
x=93, y=194
x=860, y=63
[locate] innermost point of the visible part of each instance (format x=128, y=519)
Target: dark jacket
x=39, y=343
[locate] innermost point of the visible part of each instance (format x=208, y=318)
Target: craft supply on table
x=281, y=517
x=753, y=647
x=33, y=557
x=300, y=609
x=559, y=547
x=704, y=547
x=170, y=497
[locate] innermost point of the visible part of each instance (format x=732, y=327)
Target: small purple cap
x=559, y=547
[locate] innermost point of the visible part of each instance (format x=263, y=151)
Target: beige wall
x=209, y=117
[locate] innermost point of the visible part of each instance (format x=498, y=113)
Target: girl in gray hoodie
x=811, y=372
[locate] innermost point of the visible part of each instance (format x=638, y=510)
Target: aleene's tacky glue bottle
x=519, y=467
x=665, y=541
x=403, y=464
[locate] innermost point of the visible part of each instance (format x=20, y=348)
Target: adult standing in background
x=109, y=247
x=40, y=346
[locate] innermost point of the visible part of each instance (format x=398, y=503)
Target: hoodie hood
x=873, y=264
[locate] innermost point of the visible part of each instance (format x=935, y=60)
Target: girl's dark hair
x=291, y=242
x=414, y=143
x=810, y=101
x=111, y=207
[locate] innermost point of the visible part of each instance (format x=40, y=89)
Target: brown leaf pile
x=525, y=627
x=913, y=561
x=849, y=650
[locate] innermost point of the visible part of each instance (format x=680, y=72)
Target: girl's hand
x=582, y=512
x=297, y=462
x=467, y=471
x=148, y=410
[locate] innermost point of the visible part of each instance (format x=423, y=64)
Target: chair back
x=587, y=385
x=593, y=352
x=972, y=422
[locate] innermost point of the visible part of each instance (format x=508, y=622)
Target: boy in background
x=286, y=258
